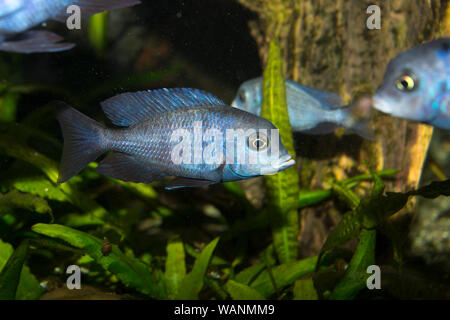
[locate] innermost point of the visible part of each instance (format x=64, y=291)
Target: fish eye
x=258, y=141
x=242, y=96
x=405, y=83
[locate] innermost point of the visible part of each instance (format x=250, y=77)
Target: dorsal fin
x=91, y=7
x=299, y=91
x=10, y=7
x=130, y=108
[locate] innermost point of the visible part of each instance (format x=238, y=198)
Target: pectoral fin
x=36, y=41
x=126, y=168
x=187, y=183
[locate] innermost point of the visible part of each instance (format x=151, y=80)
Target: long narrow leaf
x=282, y=188
x=10, y=275
x=193, y=282
x=283, y=275
x=239, y=291
x=355, y=277
x=16, y=280
x=175, y=266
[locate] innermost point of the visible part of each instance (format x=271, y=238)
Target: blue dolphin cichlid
x=416, y=85
x=18, y=16
x=147, y=143
x=310, y=110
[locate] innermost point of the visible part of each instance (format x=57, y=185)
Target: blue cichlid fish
x=310, y=110
x=18, y=16
x=416, y=85
x=145, y=145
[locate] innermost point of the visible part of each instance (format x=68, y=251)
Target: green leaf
x=16, y=280
x=142, y=190
x=76, y=220
x=380, y=207
x=16, y=199
x=239, y=291
x=348, y=228
x=356, y=276
x=304, y=290
x=373, y=210
x=8, y=106
x=346, y=194
x=129, y=270
x=39, y=186
x=370, y=176
x=98, y=26
x=20, y=150
x=433, y=190
x=247, y=275
x=312, y=197
x=10, y=275
x=175, y=266
x=283, y=275
x=29, y=288
x=193, y=282
x=215, y=261
x=282, y=188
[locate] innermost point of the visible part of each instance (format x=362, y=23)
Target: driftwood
x=327, y=45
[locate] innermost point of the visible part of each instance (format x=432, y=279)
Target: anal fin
x=321, y=129
x=126, y=168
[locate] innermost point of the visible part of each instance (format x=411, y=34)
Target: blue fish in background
x=18, y=16
x=310, y=110
x=416, y=85
x=144, y=145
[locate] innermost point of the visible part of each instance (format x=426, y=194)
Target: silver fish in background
x=416, y=85
x=18, y=16
x=144, y=145
x=310, y=110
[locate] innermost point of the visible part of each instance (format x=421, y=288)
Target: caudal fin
x=363, y=129
x=82, y=141
x=357, y=118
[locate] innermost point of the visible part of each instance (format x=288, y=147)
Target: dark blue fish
x=310, y=110
x=416, y=85
x=148, y=143
x=18, y=16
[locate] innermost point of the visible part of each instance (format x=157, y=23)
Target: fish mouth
x=275, y=166
x=282, y=163
x=381, y=105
